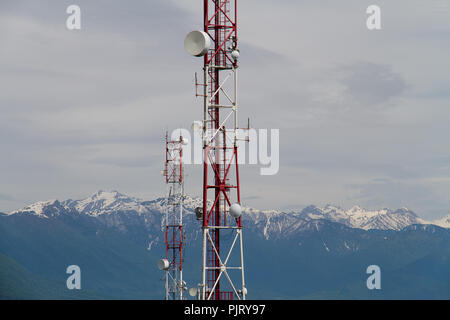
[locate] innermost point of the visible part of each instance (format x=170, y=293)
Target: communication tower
x=172, y=264
x=217, y=43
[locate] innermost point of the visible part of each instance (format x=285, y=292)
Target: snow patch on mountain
x=357, y=217
x=42, y=209
x=444, y=222
x=106, y=202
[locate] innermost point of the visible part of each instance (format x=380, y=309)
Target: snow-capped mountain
x=119, y=210
x=273, y=223
x=357, y=217
x=118, y=239
x=106, y=202
x=45, y=209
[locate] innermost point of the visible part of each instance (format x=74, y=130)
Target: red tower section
x=220, y=168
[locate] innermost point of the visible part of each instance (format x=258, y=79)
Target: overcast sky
x=364, y=116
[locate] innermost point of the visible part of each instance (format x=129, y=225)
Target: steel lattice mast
x=221, y=226
x=173, y=233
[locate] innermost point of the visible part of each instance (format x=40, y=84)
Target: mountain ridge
x=110, y=202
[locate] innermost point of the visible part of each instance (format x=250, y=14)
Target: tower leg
x=203, y=286
x=244, y=289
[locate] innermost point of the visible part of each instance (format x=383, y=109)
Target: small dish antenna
x=197, y=43
x=235, y=210
x=193, y=292
x=235, y=54
x=163, y=264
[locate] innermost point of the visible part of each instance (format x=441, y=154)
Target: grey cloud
x=371, y=84
x=254, y=197
x=6, y=197
x=253, y=56
x=130, y=160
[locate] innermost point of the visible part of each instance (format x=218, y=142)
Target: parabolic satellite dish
x=197, y=43
x=163, y=264
x=193, y=292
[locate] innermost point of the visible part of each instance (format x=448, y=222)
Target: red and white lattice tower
x=173, y=233
x=222, y=268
